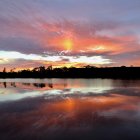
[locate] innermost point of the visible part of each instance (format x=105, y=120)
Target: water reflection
x=5, y=85
x=70, y=109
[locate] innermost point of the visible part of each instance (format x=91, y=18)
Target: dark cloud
x=22, y=45
x=65, y=60
x=21, y=64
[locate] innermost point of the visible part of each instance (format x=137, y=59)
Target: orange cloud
x=80, y=39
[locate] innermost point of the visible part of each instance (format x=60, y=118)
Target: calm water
x=68, y=109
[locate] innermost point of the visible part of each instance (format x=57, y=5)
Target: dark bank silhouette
x=72, y=72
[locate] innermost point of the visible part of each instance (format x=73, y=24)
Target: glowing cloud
x=62, y=59
x=69, y=33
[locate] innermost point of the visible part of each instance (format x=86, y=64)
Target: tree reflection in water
x=71, y=112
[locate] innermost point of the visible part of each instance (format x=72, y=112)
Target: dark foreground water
x=69, y=109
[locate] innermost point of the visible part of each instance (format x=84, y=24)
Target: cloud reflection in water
x=66, y=112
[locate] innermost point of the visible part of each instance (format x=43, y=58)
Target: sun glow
x=68, y=44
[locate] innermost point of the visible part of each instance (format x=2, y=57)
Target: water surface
x=40, y=109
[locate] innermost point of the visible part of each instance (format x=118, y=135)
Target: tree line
x=73, y=72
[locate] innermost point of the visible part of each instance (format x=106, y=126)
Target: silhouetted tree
x=49, y=68
x=4, y=70
x=35, y=69
x=12, y=70
x=123, y=66
x=88, y=67
x=65, y=69
x=42, y=69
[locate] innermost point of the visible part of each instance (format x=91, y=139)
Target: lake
x=68, y=109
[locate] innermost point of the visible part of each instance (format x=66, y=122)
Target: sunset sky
x=69, y=33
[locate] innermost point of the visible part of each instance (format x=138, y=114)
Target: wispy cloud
x=43, y=30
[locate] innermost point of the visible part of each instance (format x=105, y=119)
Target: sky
x=69, y=33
